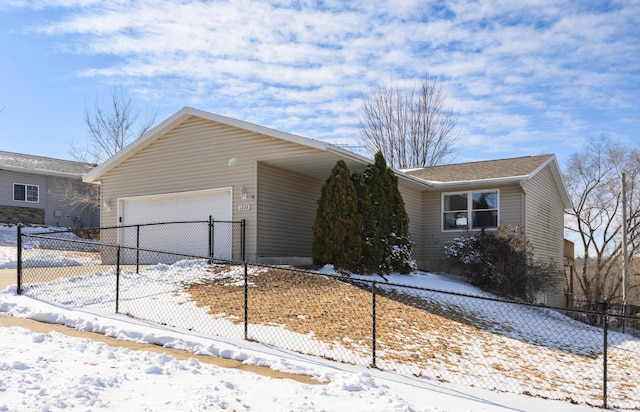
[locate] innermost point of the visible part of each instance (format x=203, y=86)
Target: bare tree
x=411, y=125
x=111, y=127
x=594, y=184
x=78, y=195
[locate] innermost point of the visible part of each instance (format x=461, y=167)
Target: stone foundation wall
x=26, y=215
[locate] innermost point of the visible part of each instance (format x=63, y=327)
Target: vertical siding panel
x=432, y=237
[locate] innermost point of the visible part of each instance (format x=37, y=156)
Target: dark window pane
x=455, y=202
x=455, y=220
x=32, y=193
x=485, y=200
x=485, y=219
x=19, y=192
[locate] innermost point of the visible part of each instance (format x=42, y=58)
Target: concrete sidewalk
x=8, y=277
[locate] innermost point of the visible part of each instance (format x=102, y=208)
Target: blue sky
x=528, y=77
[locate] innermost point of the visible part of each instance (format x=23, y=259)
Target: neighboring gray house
x=196, y=164
x=39, y=190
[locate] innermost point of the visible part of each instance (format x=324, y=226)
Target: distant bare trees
x=111, y=127
x=593, y=179
x=411, y=125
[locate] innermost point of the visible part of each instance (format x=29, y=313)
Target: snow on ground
x=52, y=372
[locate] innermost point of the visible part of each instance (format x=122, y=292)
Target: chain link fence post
x=243, y=225
x=246, y=302
x=605, y=338
x=138, y=249
x=19, y=263
x=117, y=278
x=210, y=239
x=373, y=324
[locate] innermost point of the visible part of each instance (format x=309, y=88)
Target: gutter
x=478, y=182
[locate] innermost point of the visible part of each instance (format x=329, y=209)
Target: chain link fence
x=450, y=337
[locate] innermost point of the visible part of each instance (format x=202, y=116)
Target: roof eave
x=42, y=172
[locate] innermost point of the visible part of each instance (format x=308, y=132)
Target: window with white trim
x=26, y=193
x=470, y=210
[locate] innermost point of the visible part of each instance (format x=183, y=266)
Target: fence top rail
x=48, y=232
x=116, y=246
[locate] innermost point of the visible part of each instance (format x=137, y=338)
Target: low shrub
x=501, y=262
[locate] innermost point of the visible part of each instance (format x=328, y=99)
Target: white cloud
x=507, y=64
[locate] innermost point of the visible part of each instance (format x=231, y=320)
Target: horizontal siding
x=68, y=215
x=286, y=213
x=8, y=178
x=413, y=206
x=433, y=238
x=545, y=227
x=198, y=154
x=511, y=206
x=52, y=198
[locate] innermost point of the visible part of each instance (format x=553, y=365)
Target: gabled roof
x=322, y=163
x=491, y=172
x=484, y=170
x=18, y=162
x=319, y=166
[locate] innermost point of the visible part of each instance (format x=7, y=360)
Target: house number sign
x=243, y=208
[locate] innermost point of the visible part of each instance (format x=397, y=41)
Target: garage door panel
x=184, y=238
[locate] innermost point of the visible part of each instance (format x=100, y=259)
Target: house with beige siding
x=527, y=192
x=43, y=191
x=198, y=164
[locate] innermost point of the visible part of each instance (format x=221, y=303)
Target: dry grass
x=410, y=338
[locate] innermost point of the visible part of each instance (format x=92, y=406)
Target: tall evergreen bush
x=361, y=224
x=391, y=245
x=337, y=229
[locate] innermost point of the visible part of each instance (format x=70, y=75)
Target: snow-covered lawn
x=94, y=375
x=54, y=372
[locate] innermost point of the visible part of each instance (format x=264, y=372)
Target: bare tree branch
x=111, y=127
x=411, y=126
x=593, y=181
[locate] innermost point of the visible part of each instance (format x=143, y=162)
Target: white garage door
x=188, y=239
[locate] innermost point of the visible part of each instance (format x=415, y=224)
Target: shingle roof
x=43, y=165
x=489, y=169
